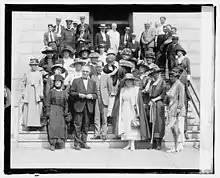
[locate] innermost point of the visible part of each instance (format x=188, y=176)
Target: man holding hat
x=102, y=38
x=148, y=37
x=171, y=52
x=114, y=38
x=126, y=37
x=134, y=46
x=58, y=29
x=68, y=35
x=83, y=39
x=85, y=25
x=50, y=38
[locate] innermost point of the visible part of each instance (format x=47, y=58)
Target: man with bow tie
x=58, y=29
x=68, y=35
x=50, y=38
x=84, y=92
x=102, y=38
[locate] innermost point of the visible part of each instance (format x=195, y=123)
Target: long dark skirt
x=57, y=125
x=159, y=123
x=115, y=114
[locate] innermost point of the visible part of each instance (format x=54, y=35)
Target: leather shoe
x=186, y=135
x=77, y=147
x=85, y=146
x=52, y=148
x=104, y=137
x=96, y=137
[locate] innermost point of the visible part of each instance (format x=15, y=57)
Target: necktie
x=51, y=37
x=58, y=29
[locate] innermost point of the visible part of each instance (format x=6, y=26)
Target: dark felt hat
x=101, y=46
x=179, y=48
x=58, y=78
x=84, y=49
x=48, y=50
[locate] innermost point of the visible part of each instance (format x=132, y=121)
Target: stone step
x=107, y=144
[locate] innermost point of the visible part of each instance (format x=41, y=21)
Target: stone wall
x=189, y=31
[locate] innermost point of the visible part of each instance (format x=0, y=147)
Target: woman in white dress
x=131, y=106
x=32, y=95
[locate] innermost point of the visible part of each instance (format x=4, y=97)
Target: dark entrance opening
x=108, y=15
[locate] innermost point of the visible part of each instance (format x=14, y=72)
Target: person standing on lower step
x=104, y=88
x=176, y=110
x=57, y=113
x=84, y=93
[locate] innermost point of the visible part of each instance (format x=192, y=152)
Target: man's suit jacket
x=99, y=40
x=46, y=38
x=62, y=29
x=123, y=38
x=86, y=26
x=104, y=87
x=78, y=87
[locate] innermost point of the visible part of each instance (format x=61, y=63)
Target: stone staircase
x=27, y=138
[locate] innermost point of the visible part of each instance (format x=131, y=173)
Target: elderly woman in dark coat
x=157, y=92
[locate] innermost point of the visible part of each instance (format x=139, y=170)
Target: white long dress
x=128, y=114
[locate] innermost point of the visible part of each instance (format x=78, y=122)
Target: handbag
x=135, y=123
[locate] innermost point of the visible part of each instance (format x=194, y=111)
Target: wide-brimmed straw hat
x=48, y=50
x=150, y=54
x=78, y=61
x=69, y=49
x=33, y=61
x=179, y=48
x=175, y=72
x=58, y=78
x=126, y=51
x=125, y=63
x=154, y=69
x=94, y=55
x=144, y=64
x=110, y=51
x=128, y=76
x=55, y=66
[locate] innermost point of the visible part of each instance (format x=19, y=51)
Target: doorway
x=108, y=15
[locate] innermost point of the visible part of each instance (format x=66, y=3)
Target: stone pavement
x=102, y=157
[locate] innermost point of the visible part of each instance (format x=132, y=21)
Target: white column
x=207, y=90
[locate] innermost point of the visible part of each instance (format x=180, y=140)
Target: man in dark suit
x=85, y=25
x=68, y=35
x=83, y=39
x=126, y=38
x=171, y=52
x=134, y=46
x=102, y=38
x=50, y=38
x=84, y=92
x=58, y=29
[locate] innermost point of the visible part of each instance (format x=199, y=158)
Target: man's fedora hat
x=102, y=26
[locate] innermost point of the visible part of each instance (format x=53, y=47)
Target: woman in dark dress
x=157, y=92
x=57, y=112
